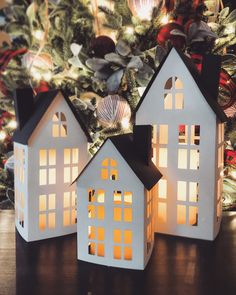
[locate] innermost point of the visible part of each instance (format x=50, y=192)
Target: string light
x=12, y=124
x=125, y=123
x=38, y=34
x=3, y=135
x=129, y=30
x=47, y=76
x=165, y=19
x=35, y=74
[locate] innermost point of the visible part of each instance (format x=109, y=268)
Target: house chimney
x=24, y=105
x=142, y=135
x=211, y=68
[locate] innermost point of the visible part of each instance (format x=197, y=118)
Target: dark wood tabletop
x=178, y=266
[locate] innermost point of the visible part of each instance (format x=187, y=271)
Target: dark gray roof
x=197, y=78
x=42, y=102
x=149, y=175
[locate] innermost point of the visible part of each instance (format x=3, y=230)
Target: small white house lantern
x=50, y=149
x=115, y=202
x=188, y=145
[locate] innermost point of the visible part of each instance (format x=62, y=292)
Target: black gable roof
x=197, y=78
x=149, y=175
x=42, y=102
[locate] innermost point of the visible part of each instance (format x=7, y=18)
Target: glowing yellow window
x=128, y=214
x=74, y=172
x=193, y=191
x=128, y=237
x=163, y=135
x=162, y=188
x=67, y=176
x=117, y=252
x=114, y=175
x=182, y=158
x=179, y=101
x=51, y=220
x=181, y=190
x=42, y=177
x=127, y=198
x=193, y=215
x=104, y=174
x=91, y=211
x=59, y=125
x=52, y=157
x=52, y=176
x=117, y=236
x=75, y=156
x=101, y=234
x=117, y=214
x=42, y=203
x=67, y=157
x=91, y=248
x=42, y=221
x=100, y=196
x=43, y=157
x=161, y=212
x=91, y=232
x=117, y=197
x=127, y=253
x=100, y=250
x=51, y=201
x=73, y=216
x=100, y=212
x=163, y=157
x=66, y=218
x=168, y=105
x=194, y=159
x=181, y=214
x=66, y=202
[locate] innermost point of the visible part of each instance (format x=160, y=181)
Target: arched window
x=59, y=125
x=109, y=169
x=173, y=94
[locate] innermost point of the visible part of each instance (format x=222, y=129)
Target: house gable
x=126, y=177
x=196, y=98
x=42, y=134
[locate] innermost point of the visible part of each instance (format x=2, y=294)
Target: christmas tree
x=103, y=54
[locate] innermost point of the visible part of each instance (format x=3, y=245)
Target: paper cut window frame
x=69, y=207
x=59, y=125
x=122, y=243
x=173, y=94
x=96, y=208
x=47, y=211
x=96, y=237
x=47, y=167
x=109, y=169
x=71, y=160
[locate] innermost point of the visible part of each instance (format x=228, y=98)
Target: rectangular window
x=117, y=214
x=117, y=197
x=47, y=158
x=193, y=191
x=67, y=176
x=183, y=134
x=42, y=203
x=168, y=101
x=42, y=177
x=195, y=135
x=96, y=246
x=127, y=198
x=163, y=135
x=194, y=159
x=181, y=190
x=162, y=212
x=52, y=176
x=71, y=159
x=163, y=157
x=69, y=204
x=117, y=237
x=181, y=214
x=162, y=189
x=43, y=157
x=179, y=101
x=193, y=216
x=117, y=252
x=47, y=209
x=124, y=244
x=182, y=158
x=128, y=214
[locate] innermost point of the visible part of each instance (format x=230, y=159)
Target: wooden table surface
x=178, y=266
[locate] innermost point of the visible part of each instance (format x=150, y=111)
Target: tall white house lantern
x=115, y=202
x=188, y=144
x=50, y=149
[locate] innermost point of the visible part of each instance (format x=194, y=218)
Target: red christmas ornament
x=230, y=157
x=42, y=87
x=165, y=35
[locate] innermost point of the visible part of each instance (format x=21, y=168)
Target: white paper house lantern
x=115, y=202
x=188, y=145
x=50, y=149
